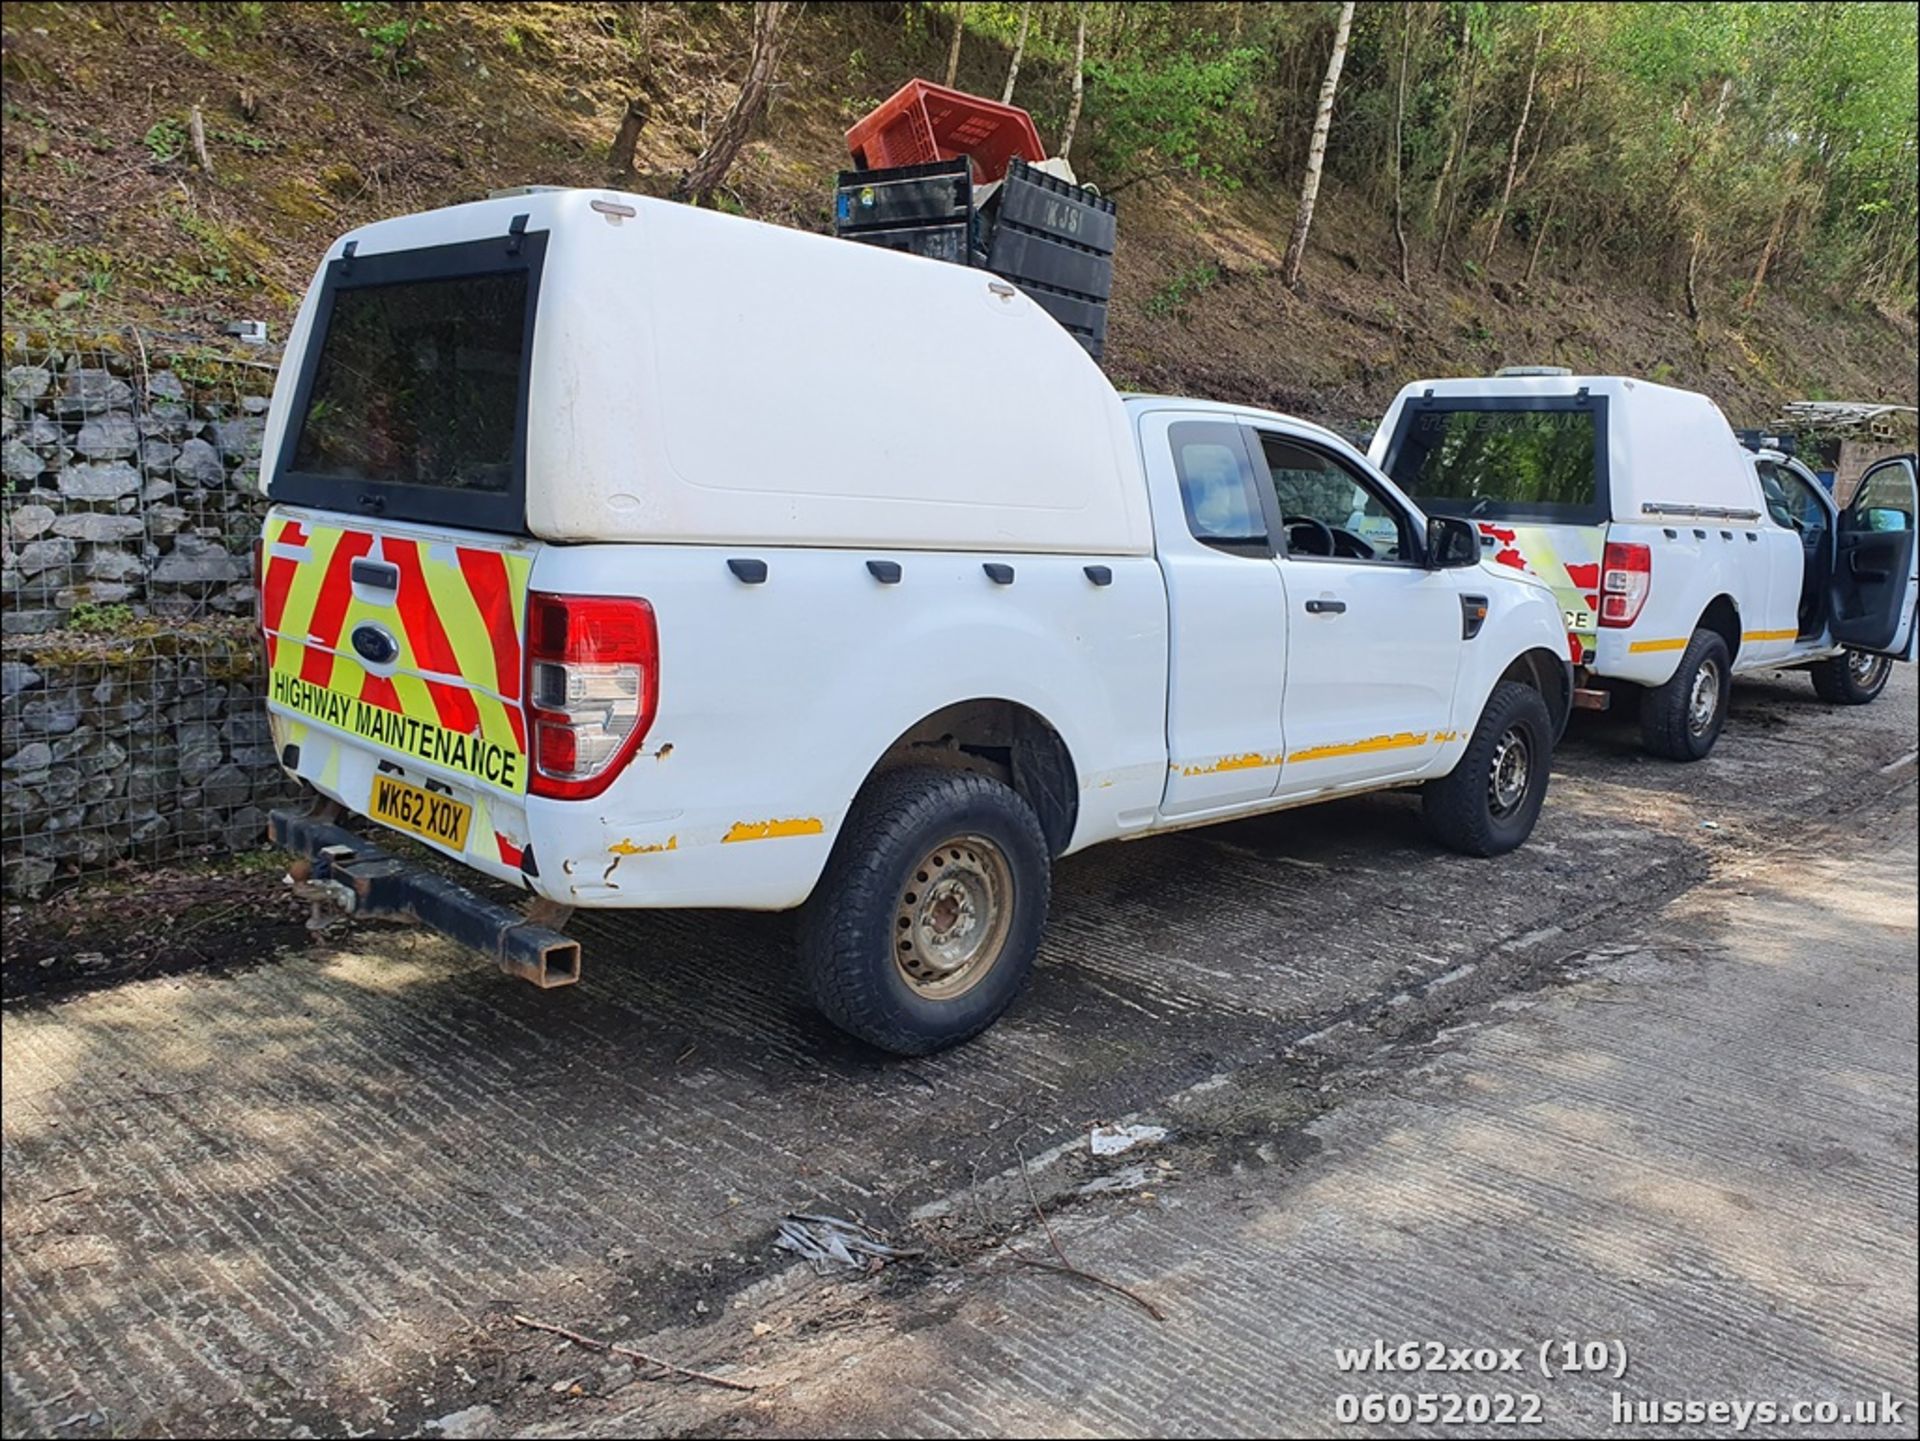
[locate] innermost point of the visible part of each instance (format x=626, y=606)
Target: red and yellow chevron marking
x=453, y=694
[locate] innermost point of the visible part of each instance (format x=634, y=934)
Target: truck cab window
x=1773, y=487
x=1328, y=510
x=1884, y=502
x=1217, y=486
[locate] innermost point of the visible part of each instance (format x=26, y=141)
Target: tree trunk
x=1693, y=270
x=1453, y=193
x=1019, y=49
x=1399, y=118
x=1079, y=83
x=1513, y=156
x=197, y=132
x=953, y=50
x=1316, y=152
x=1768, y=255
x=1540, y=235
x=620, y=153
x=1455, y=111
x=707, y=173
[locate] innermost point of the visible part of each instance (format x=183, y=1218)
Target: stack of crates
x=1055, y=241
x=982, y=203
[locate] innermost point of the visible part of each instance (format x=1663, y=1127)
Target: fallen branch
x=1066, y=1269
x=1063, y=1265
x=593, y=1345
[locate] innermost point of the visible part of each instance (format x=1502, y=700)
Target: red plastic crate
x=922, y=122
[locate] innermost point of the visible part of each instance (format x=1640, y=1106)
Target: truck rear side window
x=1503, y=461
x=412, y=397
x=417, y=384
x=1217, y=486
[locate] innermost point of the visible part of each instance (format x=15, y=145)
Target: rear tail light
x=593, y=681
x=260, y=574
x=1626, y=575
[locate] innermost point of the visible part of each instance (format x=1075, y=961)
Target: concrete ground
x=1650, y=1080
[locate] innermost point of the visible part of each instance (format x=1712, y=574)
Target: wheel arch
x=1551, y=674
x=1722, y=617
x=1005, y=739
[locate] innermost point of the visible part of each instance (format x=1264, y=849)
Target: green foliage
x=91, y=619
x=1177, y=112
x=1174, y=295
x=389, y=31
x=1661, y=134
x=193, y=37
x=166, y=139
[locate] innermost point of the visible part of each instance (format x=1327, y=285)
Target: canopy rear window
x=1504, y=459
x=412, y=398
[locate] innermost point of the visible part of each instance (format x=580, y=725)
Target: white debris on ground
x=1112, y=1140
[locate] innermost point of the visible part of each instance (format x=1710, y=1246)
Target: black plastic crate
x=1055, y=241
x=1084, y=320
x=908, y=195
x=936, y=242
x=1042, y=204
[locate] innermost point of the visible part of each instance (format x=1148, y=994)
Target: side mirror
x=1451, y=543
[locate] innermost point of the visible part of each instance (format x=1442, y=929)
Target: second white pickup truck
x=1680, y=559
x=637, y=556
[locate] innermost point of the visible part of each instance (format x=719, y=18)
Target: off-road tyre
x=1851, y=678
x=1484, y=807
x=1680, y=720
x=922, y=844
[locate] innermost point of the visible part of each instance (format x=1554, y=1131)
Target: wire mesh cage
x=130, y=669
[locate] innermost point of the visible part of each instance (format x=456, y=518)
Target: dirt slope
x=311, y=132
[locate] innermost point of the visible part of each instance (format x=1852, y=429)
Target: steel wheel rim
x=1508, y=776
x=1703, y=703
x=955, y=911
x=1867, y=671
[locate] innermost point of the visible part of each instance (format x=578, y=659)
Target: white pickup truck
x=1676, y=554
x=638, y=556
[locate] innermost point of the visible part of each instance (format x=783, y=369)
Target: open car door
x=1876, y=583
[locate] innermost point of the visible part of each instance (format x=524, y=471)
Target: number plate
x=425, y=813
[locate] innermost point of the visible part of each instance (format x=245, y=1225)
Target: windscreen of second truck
x=1498, y=462
x=418, y=383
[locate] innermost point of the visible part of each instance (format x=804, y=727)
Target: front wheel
x=926, y=923
x=1487, y=805
x=1682, y=719
x=1851, y=678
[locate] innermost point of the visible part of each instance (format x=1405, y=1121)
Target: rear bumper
x=365, y=881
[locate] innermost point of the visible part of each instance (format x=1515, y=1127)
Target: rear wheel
x=1851, y=678
x=926, y=923
x=1682, y=719
x=1490, y=801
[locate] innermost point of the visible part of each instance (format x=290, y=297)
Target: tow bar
x=363, y=880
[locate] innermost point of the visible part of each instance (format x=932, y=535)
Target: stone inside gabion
x=130, y=688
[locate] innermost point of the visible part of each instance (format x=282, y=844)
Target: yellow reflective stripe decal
x=1405, y=740
x=1770, y=635
x=460, y=617
x=304, y=593
x=1642, y=647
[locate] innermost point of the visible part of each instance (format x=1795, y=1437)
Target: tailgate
x=394, y=652
x=1566, y=558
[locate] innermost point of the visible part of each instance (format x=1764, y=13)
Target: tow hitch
x=352, y=873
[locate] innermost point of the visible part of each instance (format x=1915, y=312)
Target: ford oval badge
x=374, y=644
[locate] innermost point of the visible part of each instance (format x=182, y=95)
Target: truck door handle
x=1326, y=607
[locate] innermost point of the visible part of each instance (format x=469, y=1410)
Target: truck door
x=1375, y=637
x=1227, y=621
x=1876, y=583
